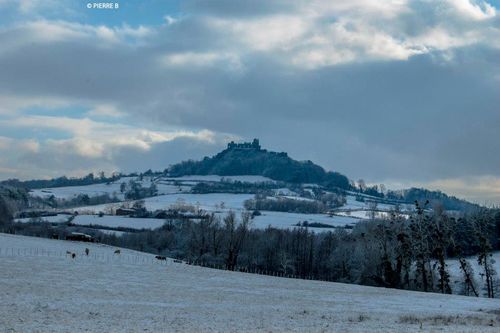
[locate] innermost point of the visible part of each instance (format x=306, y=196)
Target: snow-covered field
x=211, y=202
x=59, y=218
x=118, y=221
x=72, y=191
x=174, y=191
x=208, y=202
x=222, y=203
x=216, y=178
x=280, y=220
x=289, y=220
x=165, y=185
x=112, y=189
x=132, y=292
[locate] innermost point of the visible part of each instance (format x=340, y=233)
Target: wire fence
x=144, y=259
x=110, y=257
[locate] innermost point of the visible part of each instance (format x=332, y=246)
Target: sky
x=404, y=93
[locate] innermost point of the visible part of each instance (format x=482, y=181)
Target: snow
x=365, y=214
x=106, y=220
x=59, y=218
x=118, y=221
x=73, y=191
x=280, y=220
x=132, y=292
x=285, y=191
x=212, y=202
x=209, y=202
x=352, y=203
x=456, y=276
x=216, y=178
x=112, y=232
x=113, y=188
x=285, y=220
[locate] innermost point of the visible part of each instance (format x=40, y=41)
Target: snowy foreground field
x=43, y=290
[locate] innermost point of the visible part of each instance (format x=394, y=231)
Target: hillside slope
x=132, y=292
x=256, y=161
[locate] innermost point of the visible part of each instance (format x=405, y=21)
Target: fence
x=146, y=259
x=82, y=257
x=258, y=271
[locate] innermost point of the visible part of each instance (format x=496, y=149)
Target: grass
x=491, y=318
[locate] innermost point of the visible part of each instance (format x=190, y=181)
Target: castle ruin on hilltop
x=254, y=145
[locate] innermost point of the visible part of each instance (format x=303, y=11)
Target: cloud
x=11, y=104
x=91, y=146
x=105, y=110
x=477, y=10
x=94, y=139
x=400, y=90
x=44, y=32
x=203, y=59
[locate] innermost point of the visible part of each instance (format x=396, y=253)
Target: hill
x=133, y=292
x=251, y=159
x=434, y=197
x=238, y=161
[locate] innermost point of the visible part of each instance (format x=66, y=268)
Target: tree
x=5, y=213
x=361, y=185
x=201, y=235
x=420, y=235
x=153, y=189
x=484, y=227
x=235, y=235
x=440, y=238
x=372, y=210
x=382, y=189
x=469, y=285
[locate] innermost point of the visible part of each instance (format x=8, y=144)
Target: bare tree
x=235, y=235
x=469, y=284
x=484, y=226
x=372, y=210
x=5, y=213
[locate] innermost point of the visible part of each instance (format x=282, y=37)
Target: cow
x=161, y=258
x=117, y=251
x=87, y=251
x=73, y=255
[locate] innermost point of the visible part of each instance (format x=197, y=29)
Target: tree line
x=394, y=252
